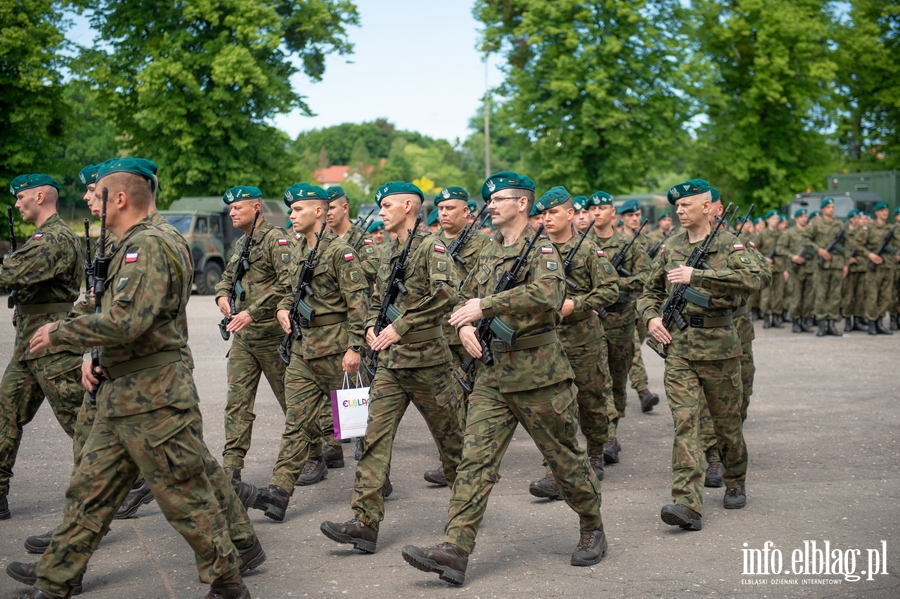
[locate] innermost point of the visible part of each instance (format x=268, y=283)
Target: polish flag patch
x=131, y=257
x=739, y=246
x=348, y=257
x=546, y=250
x=367, y=242
x=601, y=254
x=440, y=249
x=282, y=242
x=38, y=235
x=753, y=245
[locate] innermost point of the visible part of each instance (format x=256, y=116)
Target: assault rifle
x=833, y=244
x=569, y=260
x=101, y=271
x=360, y=220
x=237, y=288
x=13, y=246
x=740, y=228
x=883, y=247
x=489, y=328
x=88, y=263
x=806, y=254
x=654, y=249
x=682, y=293
x=388, y=313
x=463, y=238
x=619, y=258
x=301, y=313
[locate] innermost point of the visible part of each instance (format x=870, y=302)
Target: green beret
x=473, y=206
x=814, y=214
x=241, y=192
x=799, y=212
x=579, y=203
x=599, y=198
x=334, y=192
x=769, y=214
x=534, y=210
x=781, y=216
x=757, y=220
x=376, y=226
x=303, y=191
x=664, y=215
x=505, y=180
x=628, y=207
x=825, y=202
x=852, y=213
x=135, y=166
x=88, y=175
x=715, y=194
x=691, y=187
x=879, y=206
x=619, y=223
x=432, y=218
x=896, y=210
x=552, y=197
x=147, y=164
x=28, y=181
x=395, y=188
x=454, y=192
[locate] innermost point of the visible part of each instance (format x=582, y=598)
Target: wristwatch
x=356, y=348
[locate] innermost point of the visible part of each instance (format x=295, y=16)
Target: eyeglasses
x=500, y=199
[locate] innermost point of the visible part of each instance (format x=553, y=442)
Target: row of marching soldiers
x=539, y=329
x=824, y=269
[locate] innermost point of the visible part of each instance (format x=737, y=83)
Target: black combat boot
x=313, y=471
x=334, y=456
x=353, y=532
x=140, y=494
x=447, y=560
x=795, y=328
x=27, y=574
x=596, y=460
x=736, y=498
x=879, y=328
x=592, y=546
x=849, y=325
x=832, y=330
x=38, y=543
x=767, y=322
x=234, y=589
x=714, y=475
x=251, y=557
x=611, y=451
x=5, y=514
x=861, y=323
x=806, y=325
x=679, y=515
x=436, y=476
x=648, y=400
x=823, y=329
x=756, y=314
x=273, y=501
x=776, y=321
x=546, y=488
x=246, y=493
x=895, y=322
x=872, y=330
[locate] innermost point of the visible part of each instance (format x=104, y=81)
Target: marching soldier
x=703, y=360
x=879, y=269
x=254, y=349
x=769, y=245
x=796, y=244
x=529, y=382
x=853, y=291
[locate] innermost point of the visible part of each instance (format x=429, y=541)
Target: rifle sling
x=578, y=316
x=32, y=309
x=500, y=346
x=420, y=336
x=158, y=359
x=327, y=319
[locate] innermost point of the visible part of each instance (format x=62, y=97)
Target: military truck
x=843, y=202
x=205, y=224
x=886, y=184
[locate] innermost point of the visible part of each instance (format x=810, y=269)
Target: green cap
x=781, y=216
x=454, y=192
x=28, y=181
x=334, y=192
x=135, y=166
x=579, y=203
x=473, y=206
x=664, y=215
x=534, y=210
x=240, y=193
x=552, y=197
x=303, y=191
x=599, y=198
x=757, y=220
x=691, y=187
x=88, y=174
x=799, y=212
x=629, y=207
x=769, y=214
x=432, y=218
x=395, y=188
x=505, y=180
x=376, y=226
x=879, y=206
x=853, y=213
x=825, y=202
x=896, y=210
x=715, y=194
x=814, y=214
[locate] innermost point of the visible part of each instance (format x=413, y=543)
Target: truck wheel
x=209, y=278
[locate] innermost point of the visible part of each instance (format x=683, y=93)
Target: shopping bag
x=350, y=409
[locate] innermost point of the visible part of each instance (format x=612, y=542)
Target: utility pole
x=487, y=117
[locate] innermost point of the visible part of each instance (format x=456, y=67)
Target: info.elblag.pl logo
x=818, y=559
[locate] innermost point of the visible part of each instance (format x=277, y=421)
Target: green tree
x=766, y=75
x=592, y=87
x=192, y=84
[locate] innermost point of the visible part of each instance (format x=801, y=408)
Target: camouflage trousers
x=549, y=416
x=620, y=355
x=802, y=293
x=166, y=447
x=458, y=356
x=771, y=299
x=638, y=373
x=433, y=391
x=591, y=372
x=828, y=293
x=895, y=290
x=688, y=383
x=22, y=390
x=247, y=361
x=308, y=385
x=707, y=430
x=879, y=293
x=853, y=294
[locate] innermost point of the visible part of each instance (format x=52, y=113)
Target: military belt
x=705, y=322
x=618, y=307
x=44, y=308
x=326, y=319
x=742, y=311
x=578, y=316
x=420, y=336
x=158, y=359
x=498, y=345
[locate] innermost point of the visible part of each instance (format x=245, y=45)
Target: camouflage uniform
x=619, y=326
x=638, y=372
x=878, y=281
x=45, y=273
x=147, y=421
x=704, y=360
x=828, y=272
x=527, y=384
x=415, y=369
x=794, y=243
x=340, y=298
x=772, y=297
x=254, y=350
x=853, y=290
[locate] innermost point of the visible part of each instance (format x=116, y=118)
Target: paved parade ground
x=823, y=434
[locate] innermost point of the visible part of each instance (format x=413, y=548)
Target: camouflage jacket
x=856, y=249
x=531, y=307
x=469, y=253
x=142, y=314
x=596, y=286
x=46, y=269
x=637, y=262
x=871, y=241
x=795, y=243
x=370, y=257
x=339, y=287
x=769, y=240
x=744, y=325
x=265, y=284
x=431, y=293
x=820, y=233
x=733, y=275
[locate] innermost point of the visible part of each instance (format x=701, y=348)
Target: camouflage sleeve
x=649, y=303
x=274, y=254
x=355, y=290
x=640, y=269
x=223, y=287
x=442, y=290
x=138, y=291
x=738, y=276
x=39, y=259
x=604, y=282
x=286, y=302
x=544, y=293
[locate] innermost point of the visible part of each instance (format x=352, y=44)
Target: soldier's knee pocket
x=88, y=521
x=563, y=400
x=178, y=455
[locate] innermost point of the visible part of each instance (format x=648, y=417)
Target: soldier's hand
x=844, y=272
x=876, y=258
x=370, y=336
x=385, y=338
x=239, y=321
x=658, y=331
x=282, y=317
x=470, y=312
x=823, y=254
x=680, y=275
x=798, y=259
x=41, y=338
x=470, y=341
x=89, y=379
x=770, y=260
x=568, y=307
x=224, y=308
x=350, y=362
